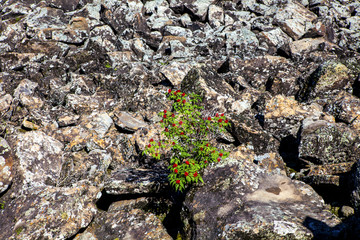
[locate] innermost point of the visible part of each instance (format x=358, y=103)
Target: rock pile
x=82, y=81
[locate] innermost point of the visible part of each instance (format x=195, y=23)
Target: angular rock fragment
x=134, y=181
x=127, y=122
x=345, y=107
x=294, y=19
x=6, y=165
x=125, y=220
x=256, y=204
x=39, y=158
x=48, y=212
x=326, y=143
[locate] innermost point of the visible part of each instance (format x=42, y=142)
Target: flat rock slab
x=47, y=212
x=254, y=204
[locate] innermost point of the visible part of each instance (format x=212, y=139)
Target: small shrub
x=188, y=134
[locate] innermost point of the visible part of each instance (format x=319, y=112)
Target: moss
x=19, y=230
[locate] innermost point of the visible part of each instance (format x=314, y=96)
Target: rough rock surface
x=263, y=205
x=81, y=85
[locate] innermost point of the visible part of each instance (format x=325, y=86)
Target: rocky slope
x=81, y=82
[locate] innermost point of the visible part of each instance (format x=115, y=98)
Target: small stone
x=127, y=122
x=29, y=125
x=346, y=211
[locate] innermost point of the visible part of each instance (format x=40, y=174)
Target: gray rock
x=346, y=108
x=48, y=212
x=256, y=205
x=125, y=220
x=216, y=16
x=283, y=116
x=6, y=165
x=39, y=158
x=326, y=143
x=5, y=102
x=276, y=37
x=241, y=39
x=329, y=78
x=127, y=122
x=294, y=19
x=135, y=181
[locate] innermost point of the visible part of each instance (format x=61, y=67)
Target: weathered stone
x=345, y=107
x=5, y=102
x=67, y=120
x=283, y=115
x=127, y=122
x=267, y=73
x=325, y=143
x=241, y=39
x=198, y=8
x=216, y=16
x=17, y=61
x=256, y=205
x=31, y=102
x=48, y=212
x=81, y=166
x=133, y=181
x=40, y=158
x=276, y=37
x=175, y=72
x=294, y=19
x=98, y=122
x=125, y=220
x=329, y=78
x=6, y=165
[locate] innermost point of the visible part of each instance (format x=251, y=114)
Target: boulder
x=6, y=165
x=125, y=220
x=47, y=211
x=256, y=204
x=326, y=143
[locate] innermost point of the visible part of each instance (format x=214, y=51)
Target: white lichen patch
x=284, y=227
x=275, y=188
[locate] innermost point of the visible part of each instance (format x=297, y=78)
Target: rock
x=80, y=166
x=127, y=122
x=355, y=186
x=294, y=19
x=197, y=8
x=48, y=212
x=6, y=165
x=5, y=103
x=216, y=16
x=345, y=107
x=329, y=78
x=25, y=87
x=98, y=122
x=175, y=72
x=240, y=39
x=325, y=143
x=39, y=158
x=125, y=220
x=304, y=46
x=267, y=73
x=135, y=181
x=283, y=115
x=276, y=37
x=256, y=204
